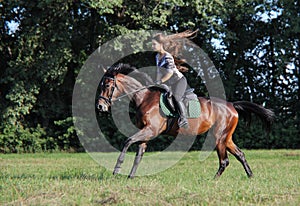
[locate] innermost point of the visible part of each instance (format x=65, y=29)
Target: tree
x=254, y=46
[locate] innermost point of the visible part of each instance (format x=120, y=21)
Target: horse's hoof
x=217, y=176
x=250, y=176
x=116, y=171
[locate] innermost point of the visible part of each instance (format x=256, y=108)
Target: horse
x=218, y=114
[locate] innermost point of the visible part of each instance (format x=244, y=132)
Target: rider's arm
x=158, y=74
x=170, y=67
x=167, y=76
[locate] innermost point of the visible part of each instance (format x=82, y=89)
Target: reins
x=133, y=92
x=110, y=100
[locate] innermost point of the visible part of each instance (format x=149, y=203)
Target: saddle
x=189, y=99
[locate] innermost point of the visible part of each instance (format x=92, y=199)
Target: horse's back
x=214, y=110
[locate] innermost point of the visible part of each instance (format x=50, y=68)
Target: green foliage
x=19, y=139
x=256, y=54
x=66, y=134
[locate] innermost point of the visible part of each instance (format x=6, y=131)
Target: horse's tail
x=245, y=109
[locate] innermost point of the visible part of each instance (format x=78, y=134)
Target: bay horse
x=223, y=116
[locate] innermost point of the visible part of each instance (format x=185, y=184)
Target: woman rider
x=169, y=68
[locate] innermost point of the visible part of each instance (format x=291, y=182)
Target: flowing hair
x=173, y=44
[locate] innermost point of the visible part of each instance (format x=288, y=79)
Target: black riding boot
x=182, y=121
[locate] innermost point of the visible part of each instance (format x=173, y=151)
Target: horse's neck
x=130, y=85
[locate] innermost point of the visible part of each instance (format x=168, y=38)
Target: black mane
x=127, y=69
x=120, y=68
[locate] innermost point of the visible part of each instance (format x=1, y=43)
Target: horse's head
x=117, y=81
x=108, y=92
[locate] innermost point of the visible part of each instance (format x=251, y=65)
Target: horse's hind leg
x=239, y=155
x=139, y=154
x=223, y=158
x=221, y=134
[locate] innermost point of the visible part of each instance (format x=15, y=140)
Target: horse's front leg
x=122, y=156
x=142, y=136
x=139, y=155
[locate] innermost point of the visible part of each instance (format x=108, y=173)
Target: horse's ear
x=104, y=70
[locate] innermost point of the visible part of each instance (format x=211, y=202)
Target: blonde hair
x=173, y=45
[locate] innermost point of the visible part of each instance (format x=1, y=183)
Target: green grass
x=76, y=179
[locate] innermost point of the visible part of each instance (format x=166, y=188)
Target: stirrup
x=182, y=122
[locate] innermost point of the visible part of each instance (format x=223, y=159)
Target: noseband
x=108, y=100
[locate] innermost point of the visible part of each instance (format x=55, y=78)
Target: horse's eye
x=107, y=85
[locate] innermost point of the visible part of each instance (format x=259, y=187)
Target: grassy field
x=76, y=179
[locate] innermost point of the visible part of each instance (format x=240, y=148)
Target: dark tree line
x=253, y=44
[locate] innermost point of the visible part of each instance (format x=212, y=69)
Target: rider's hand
x=158, y=82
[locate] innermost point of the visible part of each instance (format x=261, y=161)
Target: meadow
x=76, y=179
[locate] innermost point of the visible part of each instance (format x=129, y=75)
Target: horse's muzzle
x=102, y=107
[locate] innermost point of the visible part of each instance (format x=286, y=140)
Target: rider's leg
x=178, y=90
x=182, y=121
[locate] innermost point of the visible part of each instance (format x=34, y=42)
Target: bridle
x=108, y=100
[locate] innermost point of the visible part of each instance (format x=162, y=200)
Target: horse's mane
x=120, y=68
x=129, y=70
